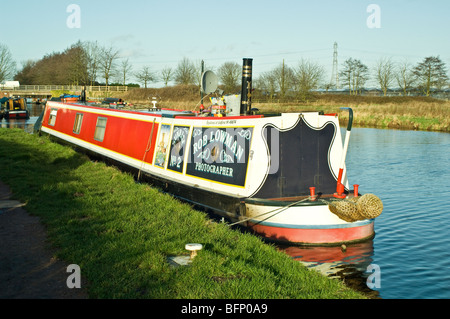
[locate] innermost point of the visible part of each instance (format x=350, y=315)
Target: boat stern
x=304, y=222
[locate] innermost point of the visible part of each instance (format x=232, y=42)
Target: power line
x=334, y=71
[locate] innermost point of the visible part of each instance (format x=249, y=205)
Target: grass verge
x=120, y=233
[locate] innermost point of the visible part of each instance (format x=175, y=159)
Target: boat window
x=100, y=129
x=77, y=123
x=52, y=118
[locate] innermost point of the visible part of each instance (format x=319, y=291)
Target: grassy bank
x=120, y=232
x=412, y=113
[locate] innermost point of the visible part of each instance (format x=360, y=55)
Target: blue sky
x=160, y=33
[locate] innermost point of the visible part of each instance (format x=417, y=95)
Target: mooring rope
x=149, y=146
x=201, y=101
x=281, y=210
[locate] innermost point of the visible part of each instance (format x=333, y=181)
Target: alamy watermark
x=374, y=19
x=73, y=280
x=374, y=279
x=74, y=19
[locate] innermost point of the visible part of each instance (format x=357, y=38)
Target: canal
x=409, y=257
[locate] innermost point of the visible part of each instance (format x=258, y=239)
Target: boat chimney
x=246, y=92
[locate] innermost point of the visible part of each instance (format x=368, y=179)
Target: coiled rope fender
x=367, y=206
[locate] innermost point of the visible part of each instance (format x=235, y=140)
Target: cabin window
x=100, y=129
x=77, y=123
x=52, y=118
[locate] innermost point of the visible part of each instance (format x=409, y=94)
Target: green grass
x=121, y=233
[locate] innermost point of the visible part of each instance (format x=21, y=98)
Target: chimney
x=246, y=92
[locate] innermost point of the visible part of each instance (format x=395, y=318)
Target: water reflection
x=348, y=264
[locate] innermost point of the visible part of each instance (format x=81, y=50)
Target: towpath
x=28, y=268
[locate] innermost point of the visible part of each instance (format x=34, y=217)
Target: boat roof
x=162, y=112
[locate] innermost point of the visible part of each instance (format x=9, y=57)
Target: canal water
x=409, y=258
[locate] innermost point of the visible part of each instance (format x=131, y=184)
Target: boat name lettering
x=220, y=153
x=223, y=122
x=220, y=137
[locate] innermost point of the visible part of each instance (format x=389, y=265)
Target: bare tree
x=405, y=76
x=354, y=75
x=229, y=74
x=307, y=77
x=166, y=74
x=108, y=62
x=285, y=78
x=93, y=52
x=185, y=72
x=125, y=68
x=145, y=76
x=385, y=74
x=267, y=83
x=431, y=73
x=77, y=61
x=7, y=64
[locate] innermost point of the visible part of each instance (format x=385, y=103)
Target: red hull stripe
x=315, y=236
x=330, y=226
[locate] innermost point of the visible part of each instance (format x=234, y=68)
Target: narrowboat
x=14, y=108
x=282, y=175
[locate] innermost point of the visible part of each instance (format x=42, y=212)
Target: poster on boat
x=220, y=154
x=177, y=148
x=162, y=145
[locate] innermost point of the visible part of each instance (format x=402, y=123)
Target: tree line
x=88, y=63
x=426, y=76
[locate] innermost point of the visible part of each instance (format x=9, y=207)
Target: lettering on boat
x=220, y=154
x=178, y=147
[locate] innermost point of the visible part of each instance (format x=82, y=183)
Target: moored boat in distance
x=14, y=108
x=282, y=175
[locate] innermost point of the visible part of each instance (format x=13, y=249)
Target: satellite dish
x=209, y=82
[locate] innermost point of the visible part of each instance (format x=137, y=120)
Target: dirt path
x=28, y=268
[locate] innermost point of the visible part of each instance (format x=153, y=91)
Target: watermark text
x=74, y=19
x=73, y=280
x=374, y=19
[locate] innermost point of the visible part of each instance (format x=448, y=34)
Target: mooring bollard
x=193, y=248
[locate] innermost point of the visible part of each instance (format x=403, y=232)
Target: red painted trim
x=219, y=118
x=315, y=236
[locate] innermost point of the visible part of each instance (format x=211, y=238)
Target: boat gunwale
x=284, y=201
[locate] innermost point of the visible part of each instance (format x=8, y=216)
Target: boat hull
x=319, y=235
x=304, y=222
x=16, y=115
